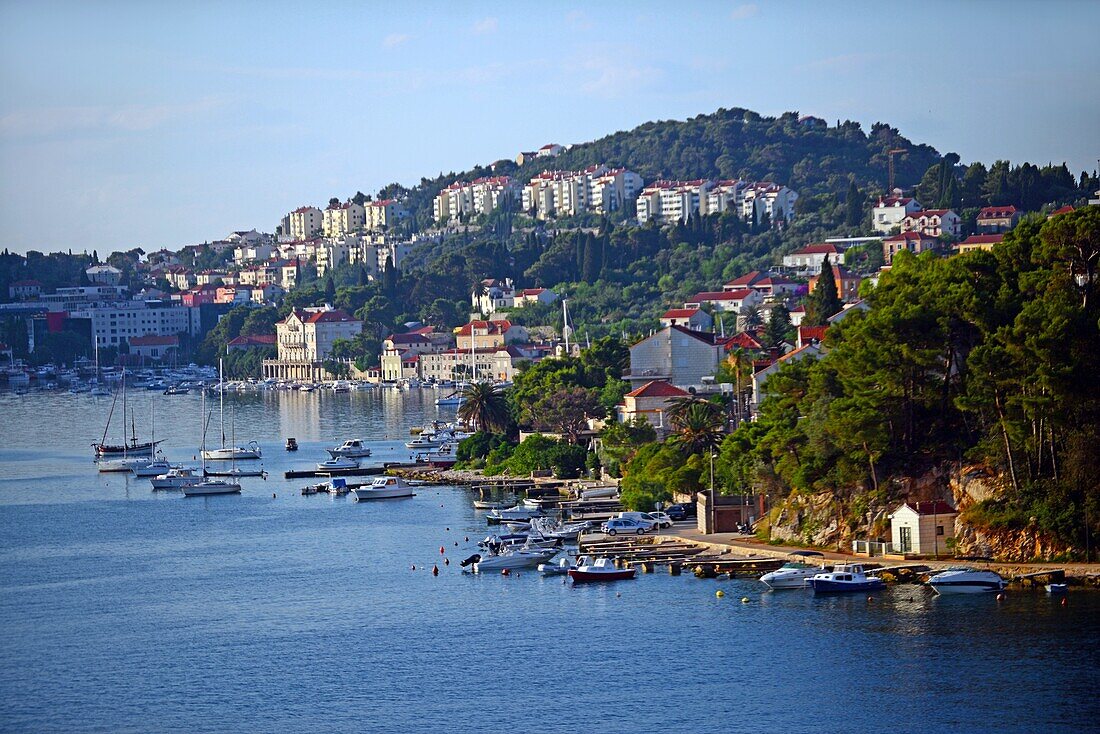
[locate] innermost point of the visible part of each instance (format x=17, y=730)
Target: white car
x=625, y=525
x=662, y=520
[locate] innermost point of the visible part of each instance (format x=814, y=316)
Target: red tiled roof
x=410, y=338
x=680, y=313
x=821, y=248
x=328, y=317
x=748, y=279
x=997, y=212
x=807, y=334
x=703, y=336
x=906, y=236
x=1062, y=210
x=982, y=239
x=744, y=340
x=658, y=389
x=154, y=341
x=929, y=213
x=721, y=296
x=939, y=507
x=493, y=327
x=531, y=291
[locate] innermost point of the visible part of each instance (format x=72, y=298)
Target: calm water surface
x=128, y=610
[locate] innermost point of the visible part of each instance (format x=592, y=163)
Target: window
x=939, y=530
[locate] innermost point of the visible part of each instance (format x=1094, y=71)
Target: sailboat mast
x=202, y=426
x=124, y=411
x=153, y=428
x=565, y=323
x=221, y=398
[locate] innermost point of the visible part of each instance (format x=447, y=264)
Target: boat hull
x=581, y=576
x=966, y=587
x=785, y=582
x=366, y=493
x=108, y=450
x=206, y=489
x=237, y=454
x=827, y=586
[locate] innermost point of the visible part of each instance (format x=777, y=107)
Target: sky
x=155, y=124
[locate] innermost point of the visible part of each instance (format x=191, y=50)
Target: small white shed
x=922, y=528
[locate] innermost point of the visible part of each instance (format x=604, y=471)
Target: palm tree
x=484, y=406
x=699, y=427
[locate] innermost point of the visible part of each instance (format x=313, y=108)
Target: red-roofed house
x=741, y=340
x=763, y=283
x=808, y=260
x=1064, y=210
x=153, y=348
x=305, y=339
x=797, y=314
x=922, y=528
x=529, y=296
x=933, y=222
x=733, y=301
x=915, y=242
x=695, y=319
x=400, y=352
x=650, y=401
x=980, y=242
x=998, y=219
x=890, y=211
x=482, y=334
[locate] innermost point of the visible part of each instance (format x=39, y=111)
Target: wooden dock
x=363, y=471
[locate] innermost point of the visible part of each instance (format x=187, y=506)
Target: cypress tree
x=824, y=301
x=591, y=270
x=854, y=205
x=330, y=290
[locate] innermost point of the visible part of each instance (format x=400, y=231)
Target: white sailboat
x=231, y=452
x=208, y=486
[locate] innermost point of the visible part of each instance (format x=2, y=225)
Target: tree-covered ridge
x=989, y=357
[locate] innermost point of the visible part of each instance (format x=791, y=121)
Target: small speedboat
x=845, y=577
x=292, y=444
x=519, y=512
x=129, y=465
x=1056, y=588
x=509, y=559
x=153, y=468
x=561, y=568
x=384, y=488
x=601, y=569
x=353, y=448
x=454, y=399
x=237, y=472
x=423, y=443
x=794, y=574
x=210, y=487
x=491, y=505
x=338, y=464
x=965, y=580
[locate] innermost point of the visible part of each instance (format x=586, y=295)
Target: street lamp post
x=713, y=499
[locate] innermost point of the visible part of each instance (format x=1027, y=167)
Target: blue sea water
x=127, y=610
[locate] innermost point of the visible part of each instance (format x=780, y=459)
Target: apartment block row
x=342, y=218
x=469, y=198
x=675, y=201
x=597, y=189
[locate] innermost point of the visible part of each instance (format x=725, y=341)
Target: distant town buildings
x=933, y=222
x=979, y=242
x=997, y=219
x=915, y=242
x=480, y=196
x=753, y=202
x=305, y=223
x=808, y=260
x=342, y=219
x=550, y=150
x=596, y=190
x=304, y=340
x=104, y=275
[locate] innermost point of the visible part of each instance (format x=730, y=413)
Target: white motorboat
x=510, y=559
x=338, y=464
x=845, y=577
x=384, y=488
x=793, y=574
x=209, y=487
x=176, y=478
x=601, y=569
x=353, y=448
x=423, y=443
x=153, y=468
x=966, y=580
x=237, y=472
x=519, y=512
x=561, y=568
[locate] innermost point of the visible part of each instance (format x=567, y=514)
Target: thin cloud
x=395, y=39
x=126, y=118
x=744, y=12
x=486, y=26
x=578, y=20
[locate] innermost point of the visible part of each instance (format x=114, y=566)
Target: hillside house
x=979, y=242
x=922, y=528
x=914, y=242
x=728, y=301
x=676, y=355
x=695, y=319
x=890, y=211
x=934, y=223
x=651, y=402
x=998, y=219
x=847, y=283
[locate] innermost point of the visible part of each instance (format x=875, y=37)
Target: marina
x=377, y=564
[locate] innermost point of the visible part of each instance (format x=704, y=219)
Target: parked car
x=642, y=518
x=663, y=520
x=625, y=525
x=681, y=511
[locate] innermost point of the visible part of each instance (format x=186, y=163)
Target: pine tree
x=389, y=277
x=590, y=272
x=824, y=301
x=854, y=214
x=330, y=290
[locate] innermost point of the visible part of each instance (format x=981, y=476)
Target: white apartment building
x=672, y=201
x=79, y=297
x=480, y=196
x=764, y=198
x=891, y=211
x=334, y=252
x=104, y=275
x=117, y=323
x=252, y=252
x=341, y=219
x=383, y=214
x=809, y=259
x=305, y=223
x=596, y=189
x=933, y=222
x=493, y=295
x=726, y=194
